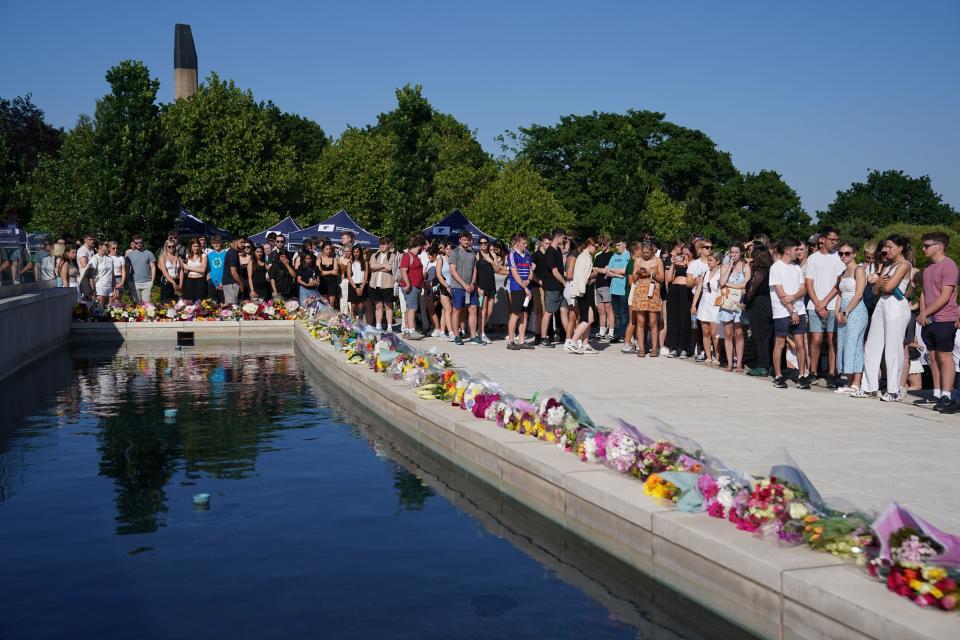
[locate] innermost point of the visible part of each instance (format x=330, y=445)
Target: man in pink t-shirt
x=938, y=317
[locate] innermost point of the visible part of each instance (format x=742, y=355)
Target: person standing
x=822, y=274
x=679, y=284
x=759, y=307
x=357, y=293
x=520, y=266
x=789, y=314
x=601, y=260
x=215, y=259
x=645, y=277
x=119, y=270
x=195, y=270
x=583, y=292
x=411, y=285
x=488, y=266
x=733, y=284
x=463, y=268
x=852, y=320
x=308, y=277
x=552, y=281
x=172, y=282
x=344, y=253
x=283, y=283
x=257, y=275
x=705, y=307
x=382, y=266
x=888, y=324
x=617, y=273
x=143, y=264
x=101, y=271
x=231, y=278
x=938, y=316
x=329, y=266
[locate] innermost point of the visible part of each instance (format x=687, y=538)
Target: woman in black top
x=488, y=265
x=678, y=302
x=257, y=275
x=329, y=275
x=308, y=277
x=759, y=309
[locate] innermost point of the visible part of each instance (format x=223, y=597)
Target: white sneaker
x=569, y=347
x=451, y=337
x=664, y=351
x=587, y=349
x=436, y=334
x=485, y=338
x=845, y=390
x=858, y=393
x=890, y=397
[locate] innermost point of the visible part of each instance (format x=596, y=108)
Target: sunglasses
x=844, y=253
x=706, y=246
x=483, y=242
x=927, y=245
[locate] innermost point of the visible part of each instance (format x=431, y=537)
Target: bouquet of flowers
x=910, y=573
x=844, y=535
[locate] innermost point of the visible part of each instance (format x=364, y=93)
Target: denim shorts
x=819, y=325
x=412, y=297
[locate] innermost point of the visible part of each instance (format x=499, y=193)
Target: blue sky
x=818, y=91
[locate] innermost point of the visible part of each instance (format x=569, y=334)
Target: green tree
x=663, y=216
x=602, y=167
x=517, y=200
x=64, y=187
x=231, y=166
x=134, y=193
x=354, y=174
x=414, y=160
x=463, y=168
x=113, y=172
x=764, y=203
x=25, y=137
x=886, y=198
x=309, y=141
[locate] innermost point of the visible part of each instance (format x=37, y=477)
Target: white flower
x=555, y=416
x=724, y=481
x=798, y=510
x=590, y=449
x=291, y=305
x=250, y=308
x=725, y=497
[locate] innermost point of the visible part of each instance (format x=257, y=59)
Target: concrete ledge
x=33, y=323
x=119, y=332
x=775, y=592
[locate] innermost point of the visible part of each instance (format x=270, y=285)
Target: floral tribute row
x=202, y=311
x=916, y=560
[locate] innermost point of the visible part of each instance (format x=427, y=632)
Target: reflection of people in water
x=142, y=454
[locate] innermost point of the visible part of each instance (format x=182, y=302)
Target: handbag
x=731, y=299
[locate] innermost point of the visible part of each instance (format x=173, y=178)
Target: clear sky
x=818, y=91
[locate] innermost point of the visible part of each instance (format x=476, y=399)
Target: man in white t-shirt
x=822, y=278
x=789, y=315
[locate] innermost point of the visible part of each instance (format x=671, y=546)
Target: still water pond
x=322, y=521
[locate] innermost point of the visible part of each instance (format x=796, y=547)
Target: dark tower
x=184, y=62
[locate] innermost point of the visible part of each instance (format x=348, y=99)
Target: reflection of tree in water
x=141, y=452
x=411, y=491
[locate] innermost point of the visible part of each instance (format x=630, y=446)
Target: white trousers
x=888, y=326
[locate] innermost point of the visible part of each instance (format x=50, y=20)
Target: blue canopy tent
x=285, y=227
x=451, y=226
x=191, y=226
x=331, y=229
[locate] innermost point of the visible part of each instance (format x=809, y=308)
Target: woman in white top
x=733, y=282
x=852, y=319
x=119, y=270
x=583, y=294
x=101, y=270
x=888, y=324
x=357, y=283
x=170, y=272
x=705, y=307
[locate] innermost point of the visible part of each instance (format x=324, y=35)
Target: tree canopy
x=887, y=198
x=25, y=136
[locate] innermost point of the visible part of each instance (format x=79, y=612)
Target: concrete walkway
x=862, y=450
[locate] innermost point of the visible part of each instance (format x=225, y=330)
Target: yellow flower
x=550, y=437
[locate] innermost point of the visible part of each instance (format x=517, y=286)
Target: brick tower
x=184, y=62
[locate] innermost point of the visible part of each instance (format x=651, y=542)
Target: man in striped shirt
x=520, y=265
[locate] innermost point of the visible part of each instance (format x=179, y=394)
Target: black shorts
x=380, y=295
x=584, y=303
x=939, y=336
x=354, y=297
x=516, y=302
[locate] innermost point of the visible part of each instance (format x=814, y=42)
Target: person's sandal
x=641, y=354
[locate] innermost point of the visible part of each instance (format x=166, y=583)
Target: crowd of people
x=863, y=320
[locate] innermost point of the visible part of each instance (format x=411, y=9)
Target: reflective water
x=323, y=522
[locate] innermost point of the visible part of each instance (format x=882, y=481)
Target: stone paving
x=862, y=450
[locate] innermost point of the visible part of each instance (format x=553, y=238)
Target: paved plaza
x=861, y=450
